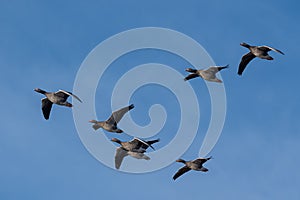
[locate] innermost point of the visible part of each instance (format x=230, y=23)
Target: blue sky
x=43, y=45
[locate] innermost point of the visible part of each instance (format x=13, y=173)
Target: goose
x=60, y=98
x=208, y=74
x=111, y=123
x=135, y=148
x=255, y=51
x=191, y=165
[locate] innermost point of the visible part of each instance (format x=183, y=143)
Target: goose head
x=93, y=121
x=116, y=140
x=40, y=90
x=181, y=160
x=191, y=70
x=245, y=45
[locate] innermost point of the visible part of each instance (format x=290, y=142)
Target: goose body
x=60, y=98
x=208, y=74
x=255, y=51
x=110, y=124
x=196, y=165
x=135, y=148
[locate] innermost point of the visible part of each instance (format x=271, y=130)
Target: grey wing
x=271, y=49
x=119, y=156
x=200, y=161
x=46, y=107
x=117, y=115
x=209, y=73
x=181, y=171
x=66, y=94
x=244, y=62
x=212, y=70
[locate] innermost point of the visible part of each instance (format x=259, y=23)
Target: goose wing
x=150, y=142
x=244, y=62
x=181, y=171
x=211, y=70
x=210, y=74
x=119, y=156
x=201, y=161
x=117, y=115
x=267, y=48
x=224, y=67
x=65, y=95
x=191, y=76
x=46, y=107
x=141, y=144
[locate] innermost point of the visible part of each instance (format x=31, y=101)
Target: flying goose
x=255, y=51
x=111, y=123
x=208, y=74
x=194, y=165
x=60, y=98
x=135, y=148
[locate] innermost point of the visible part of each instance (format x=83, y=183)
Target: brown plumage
x=255, y=51
x=191, y=165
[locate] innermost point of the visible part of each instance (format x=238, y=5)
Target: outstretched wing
x=212, y=70
x=65, y=95
x=46, y=107
x=145, y=144
x=191, y=76
x=140, y=144
x=119, y=156
x=224, y=67
x=117, y=115
x=244, y=62
x=181, y=171
x=150, y=142
x=267, y=48
x=201, y=161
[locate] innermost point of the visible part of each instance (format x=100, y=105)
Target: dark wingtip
x=131, y=106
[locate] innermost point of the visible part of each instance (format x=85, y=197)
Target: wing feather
x=46, y=107
x=119, y=156
x=271, y=49
x=181, y=171
x=190, y=76
x=117, y=115
x=65, y=95
x=244, y=62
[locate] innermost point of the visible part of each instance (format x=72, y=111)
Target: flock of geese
x=137, y=147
